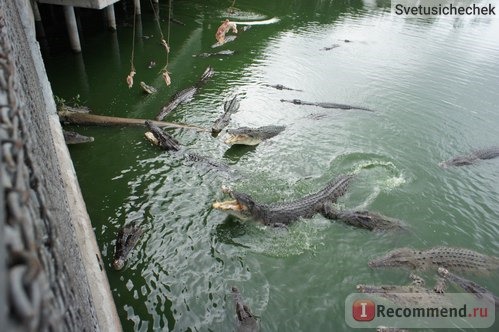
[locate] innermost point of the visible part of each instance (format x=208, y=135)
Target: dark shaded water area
x=433, y=84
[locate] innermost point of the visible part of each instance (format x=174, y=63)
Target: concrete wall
x=53, y=278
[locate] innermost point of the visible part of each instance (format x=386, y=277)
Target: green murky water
x=433, y=82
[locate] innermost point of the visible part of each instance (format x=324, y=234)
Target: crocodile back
x=488, y=153
x=307, y=206
x=457, y=259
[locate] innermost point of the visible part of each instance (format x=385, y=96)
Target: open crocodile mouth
x=240, y=139
x=232, y=205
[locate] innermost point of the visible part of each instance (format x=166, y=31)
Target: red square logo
x=363, y=310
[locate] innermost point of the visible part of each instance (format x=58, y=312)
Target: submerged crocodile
x=467, y=285
x=71, y=137
x=447, y=257
x=221, y=53
x=281, y=87
x=227, y=39
x=185, y=95
x=407, y=295
x=128, y=237
x=230, y=107
x=246, y=320
x=472, y=157
x=365, y=219
x=252, y=136
x=147, y=88
x=326, y=105
x=281, y=214
x=329, y=48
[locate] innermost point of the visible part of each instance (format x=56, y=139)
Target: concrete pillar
x=111, y=20
x=139, y=31
x=115, y=49
x=36, y=12
x=74, y=39
x=136, y=3
x=40, y=31
x=84, y=87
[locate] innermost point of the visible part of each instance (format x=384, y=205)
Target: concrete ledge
x=96, y=273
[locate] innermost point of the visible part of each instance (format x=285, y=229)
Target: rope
x=168, y=33
x=156, y=16
x=232, y=8
x=164, y=71
x=129, y=78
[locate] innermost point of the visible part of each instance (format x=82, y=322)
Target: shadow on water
x=230, y=229
x=235, y=152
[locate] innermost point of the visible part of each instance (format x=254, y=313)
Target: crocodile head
x=147, y=88
x=242, y=139
x=398, y=257
x=118, y=263
x=126, y=240
x=457, y=161
x=252, y=136
x=241, y=203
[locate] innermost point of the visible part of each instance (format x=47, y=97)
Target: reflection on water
x=431, y=81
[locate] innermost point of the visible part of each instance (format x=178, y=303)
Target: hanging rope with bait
x=129, y=78
x=165, y=73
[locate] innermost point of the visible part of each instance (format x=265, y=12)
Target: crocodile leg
x=440, y=285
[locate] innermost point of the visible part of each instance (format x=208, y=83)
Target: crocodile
x=147, y=88
x=126, y=240
x=185, y=95
x=252, y=136
x=467, y=285
x=221, y=53
x=281, y=87
x=472, y=157
x=283, y=213
x=159, y=137
x=326, y=105
x=230, y=107
x=71, y=137
x=227, y=39
x=365, y=219
x=165, y=141
x=447, y=257
x=329, y=48
x=246, y=320
x=407, y=295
